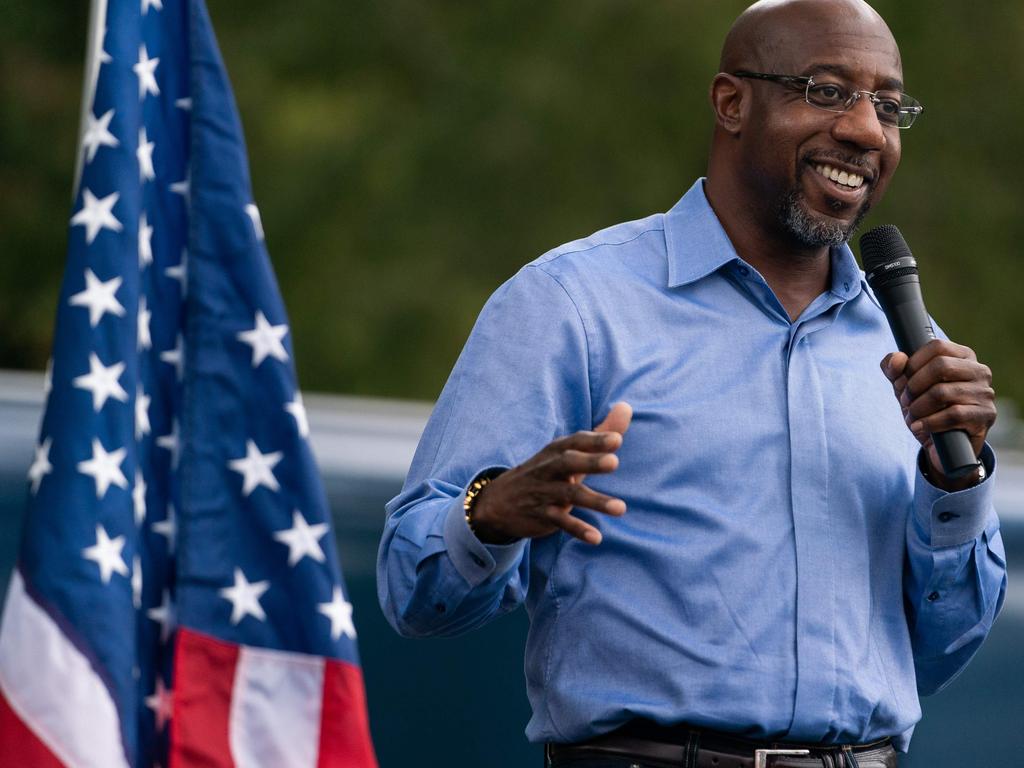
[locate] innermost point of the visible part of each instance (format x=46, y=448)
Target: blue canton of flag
x=178, y=597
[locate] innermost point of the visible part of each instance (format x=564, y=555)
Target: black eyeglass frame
x=906, y=113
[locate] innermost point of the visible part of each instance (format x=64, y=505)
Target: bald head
x=775, y=172
x=767, y=34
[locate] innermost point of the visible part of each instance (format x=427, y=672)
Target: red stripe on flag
x=204, y=675
x=19, y=745
x=344, y=727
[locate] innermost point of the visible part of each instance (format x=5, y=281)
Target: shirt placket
x=816, y=548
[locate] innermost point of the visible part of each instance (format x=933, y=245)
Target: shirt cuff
x=475, y=561
x=948, y=519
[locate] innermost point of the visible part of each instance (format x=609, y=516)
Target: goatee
x=814, y=230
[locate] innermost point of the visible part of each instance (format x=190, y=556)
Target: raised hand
x=536, y=498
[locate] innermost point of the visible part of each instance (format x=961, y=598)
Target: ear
x=729, y=98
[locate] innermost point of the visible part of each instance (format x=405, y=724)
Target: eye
x=888, y=107
x=828, y=95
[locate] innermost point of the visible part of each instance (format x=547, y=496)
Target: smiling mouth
x=842, y=178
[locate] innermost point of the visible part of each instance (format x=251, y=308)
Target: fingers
x=569, y=462
x=617, y=420
x=939, y=348
x=942, y=387
x=579, y=496
x=575, y=527
x=591, y=442
x=973, y=419
x=946, y=395
x=538, y=497
x=893, y=365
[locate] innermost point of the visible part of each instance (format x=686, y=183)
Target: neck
x=796, y=273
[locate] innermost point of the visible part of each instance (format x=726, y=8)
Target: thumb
x=617, y=419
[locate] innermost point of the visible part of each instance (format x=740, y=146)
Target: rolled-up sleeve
x=956, y=576
x=521, y=380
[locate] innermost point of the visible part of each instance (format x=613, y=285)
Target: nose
x=859, y=125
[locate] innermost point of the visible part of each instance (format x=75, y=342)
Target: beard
x=813, y=230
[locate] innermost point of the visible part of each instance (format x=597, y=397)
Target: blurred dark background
x=409, y=156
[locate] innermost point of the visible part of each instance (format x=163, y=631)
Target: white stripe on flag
x=53, y=688
x=275, y=709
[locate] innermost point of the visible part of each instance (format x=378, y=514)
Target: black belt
x=683, y=747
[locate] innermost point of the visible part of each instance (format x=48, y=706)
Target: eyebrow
x=888, y=84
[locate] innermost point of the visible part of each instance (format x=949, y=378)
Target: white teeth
x=852, y=180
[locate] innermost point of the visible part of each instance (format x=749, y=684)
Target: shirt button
x=933, y=597
x=744, y=271
x=478, y=560
x=846, y=286
x=945, y=517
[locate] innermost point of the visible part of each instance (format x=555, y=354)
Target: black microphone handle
x=904, y=308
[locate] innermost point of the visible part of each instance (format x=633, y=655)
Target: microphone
x=892, y=274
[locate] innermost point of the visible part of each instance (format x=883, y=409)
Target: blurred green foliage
x=409, y=156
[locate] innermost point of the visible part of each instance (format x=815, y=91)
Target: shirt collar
x=697, y=246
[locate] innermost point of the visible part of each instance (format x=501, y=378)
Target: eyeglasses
x=892, y=107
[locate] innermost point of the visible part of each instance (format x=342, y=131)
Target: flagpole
x=93, y=54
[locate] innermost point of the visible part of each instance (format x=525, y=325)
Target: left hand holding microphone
x=942, y=387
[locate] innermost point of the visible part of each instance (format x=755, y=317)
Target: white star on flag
x=106, y=553
x=41, y=465
x=339, y=611
x=145, y=157
x=256, y=468
x=302, y=539
x=179, y=272
x=145, y=339
x=146, y=70
x=162, y=704
x=168, y=528
x=257, y=222
x=96, y=214
x=139, y=497
x=147, y=4
x=97, y=134
x=176, y=356
x=184, y=103
x=104, y=468
x=184, y=187
x=164, y=615
x=102, y=381
x=265, y=340
x=142, y=401
x=245, y=597
x=171, y=442
x=137, y=581
x=298, y=410
x=98, y=297
x=48, y=377
x=145, y=242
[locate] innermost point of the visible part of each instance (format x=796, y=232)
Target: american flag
x=178, y=599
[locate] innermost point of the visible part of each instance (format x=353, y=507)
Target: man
x=771, y=557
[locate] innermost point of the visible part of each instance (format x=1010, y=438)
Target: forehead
x=853, y=46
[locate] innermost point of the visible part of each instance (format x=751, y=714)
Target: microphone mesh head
x=882, y=245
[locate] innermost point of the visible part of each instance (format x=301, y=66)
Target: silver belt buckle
x=761, y=755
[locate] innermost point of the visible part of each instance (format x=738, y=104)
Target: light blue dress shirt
x=783, y=569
